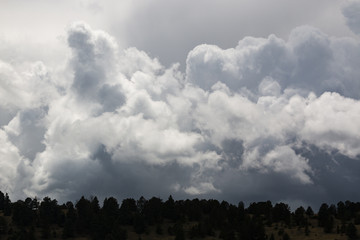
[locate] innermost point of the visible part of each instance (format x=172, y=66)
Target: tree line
x=207, y=217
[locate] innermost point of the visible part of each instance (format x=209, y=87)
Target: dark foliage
x=184, y=219
x=351, y=231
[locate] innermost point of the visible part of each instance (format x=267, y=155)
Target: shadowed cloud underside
x=267, y=119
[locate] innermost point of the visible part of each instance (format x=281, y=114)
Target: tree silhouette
x=111, y=208
x=128, y=209
x=194, y=218
x=2, y=200
x=281, y=212
x=309, y=212
x=299, y=216
x=84, y=213
x=153, y=211
x=22, y=214
x=69, y=226
x=49, y=211
x=169, y=210
x=7, y=205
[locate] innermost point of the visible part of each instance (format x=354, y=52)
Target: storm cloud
x=269, y=118
x=351, y=13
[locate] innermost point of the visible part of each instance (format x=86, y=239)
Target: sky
x=237, y=100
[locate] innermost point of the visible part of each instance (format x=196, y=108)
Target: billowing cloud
x=10, y=158
x=239, y=123
x=157, y=26
x=308, y=61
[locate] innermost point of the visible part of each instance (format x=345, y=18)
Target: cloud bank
x=351, y=13
x=269, y=118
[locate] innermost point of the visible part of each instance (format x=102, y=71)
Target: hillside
x=154, y=218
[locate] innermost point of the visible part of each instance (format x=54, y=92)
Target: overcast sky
x=235, y=100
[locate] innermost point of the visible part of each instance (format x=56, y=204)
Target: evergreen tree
x=95, y=206
x=170, y=210
x=2, y=200
x=140, y=204
x=329, y=224
x=323, y=214
x=351, y=231
x=22, y=215
x=49, y=211
x=281, y=212
x=70, y=220
x=341, y=210
x=110, y=208
x=127, y=211
x=241, y=211
x=7, y=205
x=153, y=211
x=84, y=215
x=309, y=212
x=299, y=216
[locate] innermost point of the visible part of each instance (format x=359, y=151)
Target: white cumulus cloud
x=237, y=121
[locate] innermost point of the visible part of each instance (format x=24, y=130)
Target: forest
x=173, y=219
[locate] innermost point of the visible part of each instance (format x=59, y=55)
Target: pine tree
x=351, y=231
x=7, y=205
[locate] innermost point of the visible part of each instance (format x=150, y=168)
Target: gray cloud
x=169, y=29
x=26, y=131
x=351, y=12
x=308, y=61
x=269, y=119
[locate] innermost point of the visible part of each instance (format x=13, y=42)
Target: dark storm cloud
x=255, y=122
